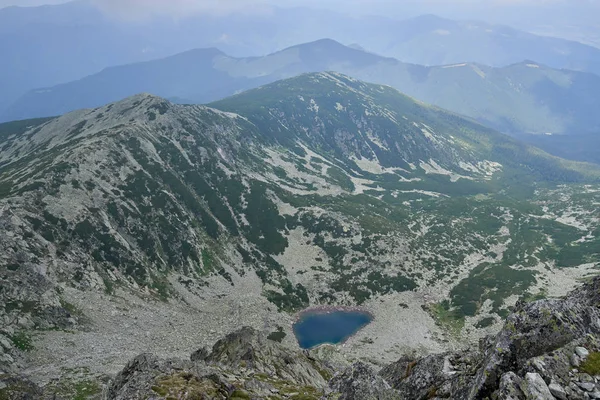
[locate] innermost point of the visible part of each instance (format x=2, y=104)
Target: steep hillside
x=524, y=98
x=144, y=225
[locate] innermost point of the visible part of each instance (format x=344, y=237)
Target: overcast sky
x=485, y=9
x=228, y=4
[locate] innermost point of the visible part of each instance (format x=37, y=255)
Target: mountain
x=521, y=362
x=572, y=147
x=198, y=76
x=146, y=226
x=524, y=98
x=431, y=40
x=50, y=45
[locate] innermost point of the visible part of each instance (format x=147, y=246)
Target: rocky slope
x=148, y=226
x=546, y=350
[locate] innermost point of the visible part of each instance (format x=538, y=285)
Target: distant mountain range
x=524, y=98
x=45, y=46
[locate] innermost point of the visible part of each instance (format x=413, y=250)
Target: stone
x=509, y=388
x=574, y=394
x=594, y=395
x=585, y=378
x=557, y=391
x=4, y=342
x=575, y=361
x=6, y=358
x=582, y=352
x=534, y=387
x=587, y=386
x=539, y=365
x=199, y=355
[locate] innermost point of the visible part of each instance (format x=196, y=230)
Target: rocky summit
x=148, y=227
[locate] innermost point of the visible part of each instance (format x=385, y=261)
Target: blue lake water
x=315, y=328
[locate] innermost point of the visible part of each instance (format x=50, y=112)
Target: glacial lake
x=317, y=327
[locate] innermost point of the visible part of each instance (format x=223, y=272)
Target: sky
x=191, y=5
x=28, y=3
x=498, y=11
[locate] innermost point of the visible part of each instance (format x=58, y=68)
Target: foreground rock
x=547, y=350
x=529, y=359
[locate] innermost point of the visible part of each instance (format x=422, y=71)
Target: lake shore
x=328, y=309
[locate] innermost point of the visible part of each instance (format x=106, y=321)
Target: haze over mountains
x=524, y=98
x=40, y=42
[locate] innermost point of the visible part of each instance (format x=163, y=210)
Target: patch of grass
x=71, y=308
x=277, y=336
x=71, y=388
x=240, y=395
x=592, y=364
x=449, y=319
x=22, y=341
x=485, y=322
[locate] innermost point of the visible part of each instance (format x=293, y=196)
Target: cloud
x=140, y=9
x=29, y=3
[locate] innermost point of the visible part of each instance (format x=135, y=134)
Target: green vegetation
x=277, y=336
x=22, y=341
x=340, y=178
x=197, y=192
x=485, y=322
x=449, y=319
x=293, y=298
x=591, y=365
x=77, y=385
x=265, y=223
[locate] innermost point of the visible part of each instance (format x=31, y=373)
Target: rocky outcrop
x=244, y=364
x=359, y=381
x=540, y=353
x=547, y=350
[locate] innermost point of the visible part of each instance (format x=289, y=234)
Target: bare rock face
x=359, y=381
x=244, y=363
x=534, y=364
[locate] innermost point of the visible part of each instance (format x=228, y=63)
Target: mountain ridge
x=521, y=98
x=112, y=42
x=125, y=225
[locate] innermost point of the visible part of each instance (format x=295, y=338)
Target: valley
x=147, y=226
x=299, y=200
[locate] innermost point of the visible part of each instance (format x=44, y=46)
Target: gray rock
x=534, y=387
x=6, y=358
x=199, y=355
x=360, y=382
x=557, y=391
x=587, y=386
x=4, y=342
x=539, y=365
x=582, y=352
x=510, y=387
x=585, y=378
x=574, y=394
x=594, y=395
x=575, y=361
